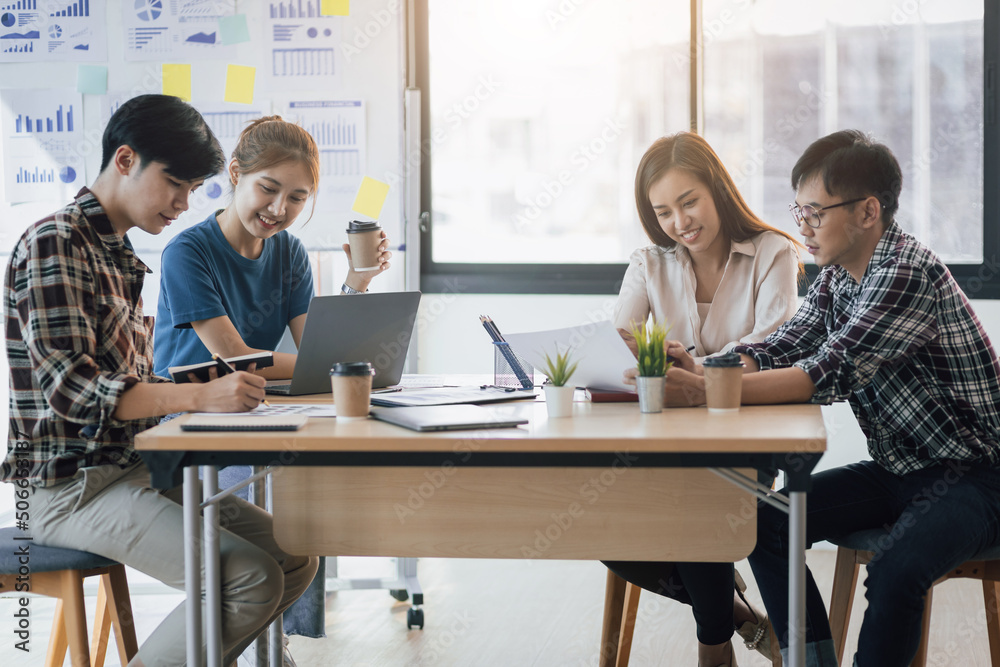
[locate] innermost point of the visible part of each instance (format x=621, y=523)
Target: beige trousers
x=115, y=513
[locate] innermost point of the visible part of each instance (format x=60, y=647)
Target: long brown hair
x=691, y=153
x=271, y=140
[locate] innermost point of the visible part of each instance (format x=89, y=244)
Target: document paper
x=602, y=353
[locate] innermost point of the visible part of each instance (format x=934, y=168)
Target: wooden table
x=608, y=483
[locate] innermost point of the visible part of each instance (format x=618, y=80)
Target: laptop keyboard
x=278, y=388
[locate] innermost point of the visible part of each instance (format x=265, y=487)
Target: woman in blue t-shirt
x=231, y=284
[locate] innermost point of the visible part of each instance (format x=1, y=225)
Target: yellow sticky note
x=334, y=7
x=239, y=84
x=177, y=81
x=371, y=196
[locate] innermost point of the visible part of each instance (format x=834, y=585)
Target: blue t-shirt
x=201, y=277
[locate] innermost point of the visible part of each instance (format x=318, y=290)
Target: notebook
x=179, y=374
x=363, y=327
x=445, y=418
x=237, y=423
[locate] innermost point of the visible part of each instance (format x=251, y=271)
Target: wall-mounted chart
x=52, y=30
x=166, y=29
x=303, y=44
x=42, y=138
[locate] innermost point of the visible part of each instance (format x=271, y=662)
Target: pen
x=225, y=364
x=687, y=349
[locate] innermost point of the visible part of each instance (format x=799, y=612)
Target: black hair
x=853, y=165
x=163, y=128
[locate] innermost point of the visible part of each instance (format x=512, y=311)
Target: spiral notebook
x=238, y=423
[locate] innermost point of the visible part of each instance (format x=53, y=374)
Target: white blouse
x=758, y=292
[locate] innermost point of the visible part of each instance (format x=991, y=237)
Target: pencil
x=228, y=367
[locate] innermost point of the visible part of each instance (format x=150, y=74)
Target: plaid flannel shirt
x=76, y=339
x=906, y=349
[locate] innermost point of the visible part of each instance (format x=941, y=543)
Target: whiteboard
x=369, y=68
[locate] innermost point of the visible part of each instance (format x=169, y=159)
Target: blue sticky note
x=92, y=79
x=233, y=29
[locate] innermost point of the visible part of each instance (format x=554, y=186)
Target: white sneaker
x=249, y=656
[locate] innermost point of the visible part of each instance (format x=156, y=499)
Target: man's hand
x=677, y=353
x=683, y=389
x=233, y=392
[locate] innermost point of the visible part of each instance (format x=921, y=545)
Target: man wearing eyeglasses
x=885, y=327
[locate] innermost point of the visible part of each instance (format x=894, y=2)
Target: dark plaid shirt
x=906, y=349
x=76, y=339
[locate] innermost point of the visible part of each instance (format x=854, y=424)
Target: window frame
x=979, y=281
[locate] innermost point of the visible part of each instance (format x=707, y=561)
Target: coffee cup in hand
x=365, y=239
x=351, y=383
x=723, y=382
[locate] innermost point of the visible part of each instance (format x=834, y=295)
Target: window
x=539, y=113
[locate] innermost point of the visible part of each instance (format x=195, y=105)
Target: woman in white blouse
x=717, y=275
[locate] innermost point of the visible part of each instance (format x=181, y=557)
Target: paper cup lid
x=358, y=226
x=727, y=360
x=352, y=368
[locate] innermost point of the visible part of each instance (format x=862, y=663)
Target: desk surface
x=592, y=429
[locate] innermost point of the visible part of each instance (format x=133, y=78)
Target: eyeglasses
x=810, y=215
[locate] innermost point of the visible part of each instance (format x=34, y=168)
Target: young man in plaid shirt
x=82, y=387
x=885, y=327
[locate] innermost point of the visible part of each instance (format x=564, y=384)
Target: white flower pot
x=559, y=400
x=650, y=391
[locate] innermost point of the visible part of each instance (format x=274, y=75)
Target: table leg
x=275, y=633
x=192, y=564
x=258, y=496
x=796, y=578
x=213, y=573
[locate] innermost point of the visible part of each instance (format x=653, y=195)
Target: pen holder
x=510, y=370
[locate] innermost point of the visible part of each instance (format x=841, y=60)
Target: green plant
x=652, y=354
x=559, y=370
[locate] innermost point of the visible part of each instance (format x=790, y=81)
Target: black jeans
x=935, y=518
x=707, y=587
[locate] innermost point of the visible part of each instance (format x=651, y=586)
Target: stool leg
x=920, y=659
x=845, y=580
x=614, y=600
x=632, y=593
x=75, y=614
x=56, y=654
x=991, y=598
x=120, y=608
x=102, y=626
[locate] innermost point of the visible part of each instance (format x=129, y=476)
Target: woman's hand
x=360, y=280
x=630, y=341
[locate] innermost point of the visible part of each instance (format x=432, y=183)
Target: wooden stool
x=59, y=573
x=857, y=549
x=621, y=605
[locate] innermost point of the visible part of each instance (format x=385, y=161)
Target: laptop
x=445, y=418
x=366, y=327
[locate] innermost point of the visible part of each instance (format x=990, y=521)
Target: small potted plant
x=559, y=394
x=652, y=364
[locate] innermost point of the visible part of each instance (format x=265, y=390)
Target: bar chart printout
x=53, y=30
x=41, y=135
x=24, y=123
x=303, y=44
x=339, y=128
